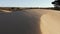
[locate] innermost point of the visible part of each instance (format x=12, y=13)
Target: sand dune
x=49, y=21
x=31, y=21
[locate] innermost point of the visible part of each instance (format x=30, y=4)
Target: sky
x=26, y=3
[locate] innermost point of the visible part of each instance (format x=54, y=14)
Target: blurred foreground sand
x=30, y=21
x=49, y=21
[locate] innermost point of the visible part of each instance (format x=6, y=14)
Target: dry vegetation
x=19, y=8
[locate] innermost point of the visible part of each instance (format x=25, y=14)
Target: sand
x=49, y=21
x=30, y=21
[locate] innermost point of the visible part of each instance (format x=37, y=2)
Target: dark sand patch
x=19, y=22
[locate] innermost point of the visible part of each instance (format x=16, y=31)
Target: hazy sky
x=25, y=3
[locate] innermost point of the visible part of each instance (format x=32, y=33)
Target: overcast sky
x=26, y=3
